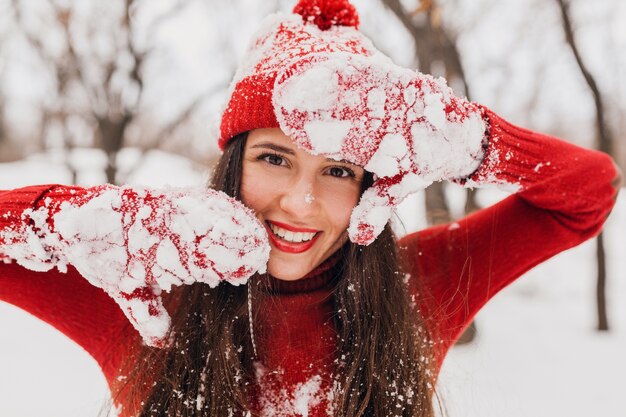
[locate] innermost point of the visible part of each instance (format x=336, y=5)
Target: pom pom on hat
x=328, y=13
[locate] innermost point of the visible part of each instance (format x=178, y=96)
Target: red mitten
x=407, y=128
x=25, y=235
x=135, y=242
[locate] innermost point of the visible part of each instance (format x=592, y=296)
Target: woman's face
x=305, y=201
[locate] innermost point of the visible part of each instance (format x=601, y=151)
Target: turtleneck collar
x=321, y=276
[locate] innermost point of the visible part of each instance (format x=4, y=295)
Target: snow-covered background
x=536, y=354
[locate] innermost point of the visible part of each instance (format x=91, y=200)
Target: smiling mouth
x=290, y=239
x=291, y=236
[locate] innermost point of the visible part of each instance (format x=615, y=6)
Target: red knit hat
x=317, y=26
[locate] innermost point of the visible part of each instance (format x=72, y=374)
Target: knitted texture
x=407, y=128
x=328, y=13
x=146, y=240
x=281, y=41
x=30, y=237
x=564, y=196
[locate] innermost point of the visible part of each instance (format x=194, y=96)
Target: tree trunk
x=471, y=205
x=603, y=319
x=605, y=144
x=437, y=211
x=110, y=139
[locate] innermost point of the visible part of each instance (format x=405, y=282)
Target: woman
x=322, y=137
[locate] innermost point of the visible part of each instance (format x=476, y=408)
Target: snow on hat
x=316, y=27
x=318, y=79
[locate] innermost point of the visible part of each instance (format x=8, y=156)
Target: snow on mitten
x=405, y=127
x=26, y=237
x=136, y=242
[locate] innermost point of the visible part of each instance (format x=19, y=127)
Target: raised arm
x=564, y=194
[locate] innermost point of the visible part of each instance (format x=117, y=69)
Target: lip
x=292, y=228
x=291, y=247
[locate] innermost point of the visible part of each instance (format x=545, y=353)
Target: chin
x=285, y=273
x=287, y=277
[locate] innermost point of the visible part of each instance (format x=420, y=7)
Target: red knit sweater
x=565, y=194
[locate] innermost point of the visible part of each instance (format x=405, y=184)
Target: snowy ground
x=536, y=354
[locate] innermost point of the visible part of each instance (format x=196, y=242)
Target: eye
x=272, y=159
x=340, y=172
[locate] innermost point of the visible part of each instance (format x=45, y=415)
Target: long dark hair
x=387, y=365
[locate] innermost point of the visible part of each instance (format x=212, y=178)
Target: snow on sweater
x=564, y=196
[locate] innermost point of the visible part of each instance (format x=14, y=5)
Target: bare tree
x=8, y=150
x=104, y=90
x=3, y=131
x=605, y=143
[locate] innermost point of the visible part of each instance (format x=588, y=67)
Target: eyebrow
x=288, y=151
x=274, y=147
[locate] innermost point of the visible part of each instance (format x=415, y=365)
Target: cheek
x=340, y=204
x=252, y=190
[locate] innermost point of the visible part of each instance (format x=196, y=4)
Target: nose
x=299, y=200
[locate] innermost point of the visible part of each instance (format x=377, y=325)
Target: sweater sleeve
x=563, y=195
x=84, y=313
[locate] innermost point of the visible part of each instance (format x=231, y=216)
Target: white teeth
x=291, y=236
